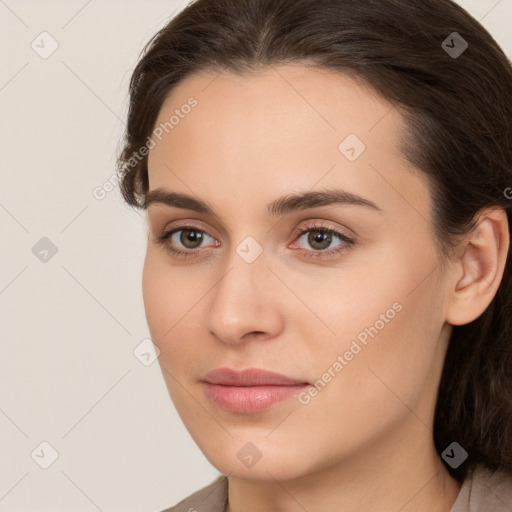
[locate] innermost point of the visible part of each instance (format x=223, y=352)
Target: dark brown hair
x=458, y=111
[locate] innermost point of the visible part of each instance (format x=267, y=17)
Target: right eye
x=189, y=237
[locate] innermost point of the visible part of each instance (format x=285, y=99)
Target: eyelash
x=321, y=228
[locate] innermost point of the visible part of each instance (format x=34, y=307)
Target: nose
x=244, y=303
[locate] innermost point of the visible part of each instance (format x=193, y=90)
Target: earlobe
x=479, y=269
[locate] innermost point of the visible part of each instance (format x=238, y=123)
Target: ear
x=479, y=267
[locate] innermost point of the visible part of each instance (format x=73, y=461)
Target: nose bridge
x=242, y=300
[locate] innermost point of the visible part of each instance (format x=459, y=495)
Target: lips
x=250, y=391
x=250, y=377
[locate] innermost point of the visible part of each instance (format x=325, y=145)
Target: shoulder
x=486, y=490
x=212, y=498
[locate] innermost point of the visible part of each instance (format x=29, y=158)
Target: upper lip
x=249, y=377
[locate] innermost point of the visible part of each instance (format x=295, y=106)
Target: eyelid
x=322, y=226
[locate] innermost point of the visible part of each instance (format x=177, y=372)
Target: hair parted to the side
x=459, y=118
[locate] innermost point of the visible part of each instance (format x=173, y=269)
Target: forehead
x=283, y=126
x=277, y=97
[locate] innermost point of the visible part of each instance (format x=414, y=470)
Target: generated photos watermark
x=343, y=360
x=100, y=192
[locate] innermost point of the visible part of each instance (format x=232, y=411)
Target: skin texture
x=365, y=441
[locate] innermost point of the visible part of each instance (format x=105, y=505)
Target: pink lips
x=251, y=390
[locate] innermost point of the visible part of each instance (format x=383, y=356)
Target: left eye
x=321, y=238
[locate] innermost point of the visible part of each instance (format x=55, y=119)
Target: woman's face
x=364, y=320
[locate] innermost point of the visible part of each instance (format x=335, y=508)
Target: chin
x=249, y=461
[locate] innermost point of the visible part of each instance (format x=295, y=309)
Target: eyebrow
x=282, y=206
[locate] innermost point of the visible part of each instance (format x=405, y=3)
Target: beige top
x=482, y=491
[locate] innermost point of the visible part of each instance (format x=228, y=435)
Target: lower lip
x=250, y=399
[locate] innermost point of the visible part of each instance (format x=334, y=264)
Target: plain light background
x=70, y=325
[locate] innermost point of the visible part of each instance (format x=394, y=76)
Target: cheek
x=156, y=300
x=342, y=300
x=168, y=299
x=386, y=318
x=390, y=365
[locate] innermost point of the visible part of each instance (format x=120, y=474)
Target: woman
x=327, y=187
